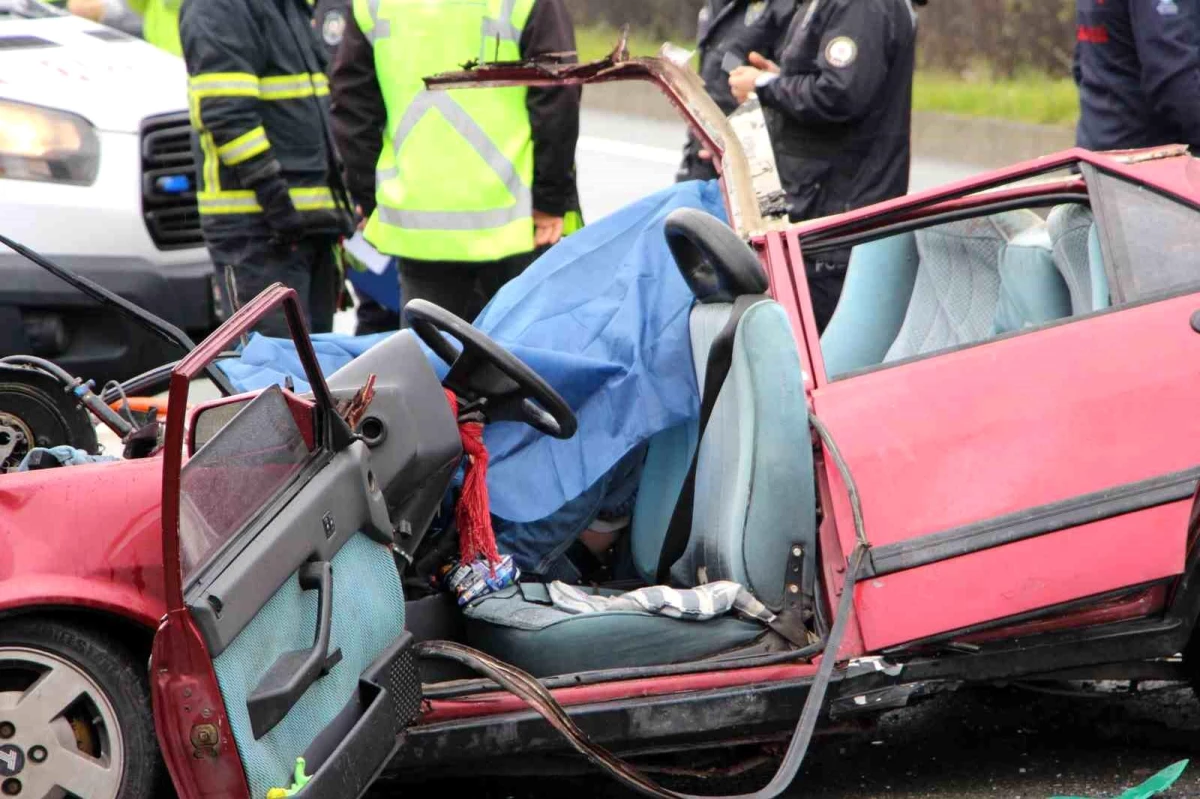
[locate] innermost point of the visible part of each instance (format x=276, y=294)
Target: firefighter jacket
x=840, y=110
x=259, y=102
x=1137, y=65
x=454, y=176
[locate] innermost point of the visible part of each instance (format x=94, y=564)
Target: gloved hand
x=280, y=215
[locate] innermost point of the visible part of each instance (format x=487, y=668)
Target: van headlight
x=46, y=144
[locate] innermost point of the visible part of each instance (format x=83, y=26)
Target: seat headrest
x=716, y=264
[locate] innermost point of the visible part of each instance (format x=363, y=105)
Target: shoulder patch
x=754, y=11
x=333, y=28
x=841, y=52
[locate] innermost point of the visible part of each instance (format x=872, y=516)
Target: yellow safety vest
x=160, y=23
x=454, y=179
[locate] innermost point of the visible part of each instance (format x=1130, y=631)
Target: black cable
x=79, y=389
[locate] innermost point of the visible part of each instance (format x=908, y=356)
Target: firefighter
x=1137, y=66
x=463, y=187
x=727, y=32
x=268, y=194
x=838, y=108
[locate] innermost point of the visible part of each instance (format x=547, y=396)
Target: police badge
x=333, y=28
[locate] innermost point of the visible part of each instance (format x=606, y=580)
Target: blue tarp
x=603, y=318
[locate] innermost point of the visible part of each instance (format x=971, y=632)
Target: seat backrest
x=1032, y=292
x=875, y=296
x=957, y=285
x=755, y=493
x=1076, y=243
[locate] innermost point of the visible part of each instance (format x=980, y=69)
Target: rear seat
x=941, y=287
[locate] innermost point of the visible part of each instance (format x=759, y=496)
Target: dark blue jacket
x=1137, y=65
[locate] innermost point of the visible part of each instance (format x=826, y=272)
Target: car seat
x=1076, y=242
x=754, y=499
x=944, y=286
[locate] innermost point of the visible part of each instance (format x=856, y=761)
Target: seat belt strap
x=720, y=359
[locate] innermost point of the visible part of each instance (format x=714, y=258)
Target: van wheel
x=74, y=715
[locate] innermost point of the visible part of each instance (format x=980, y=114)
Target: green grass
x=596, y=42
x=1027, y=98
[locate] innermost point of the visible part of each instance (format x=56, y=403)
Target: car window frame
x=1107, y=227
x=984, y=208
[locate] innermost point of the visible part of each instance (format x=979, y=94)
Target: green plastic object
x=1151, y=787
x=300, y=779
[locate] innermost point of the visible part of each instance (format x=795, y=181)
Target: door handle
x=293, y=672
x=1196, y=321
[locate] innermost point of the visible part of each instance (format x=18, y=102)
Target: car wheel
x=1191, y=661
x=75, y=716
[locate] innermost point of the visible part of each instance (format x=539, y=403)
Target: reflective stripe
x=453, y=220
x=244, y=147
x=501, y=28
x=314, y=198
x=224, y=84
x=291, y=87
x=483, y=145
x=384, y=175
x=380, y=28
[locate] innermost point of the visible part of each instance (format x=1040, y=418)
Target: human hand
x=765, y=64
x=547, y=229
x=741, y=82
x=362, y=219
x=88, y=9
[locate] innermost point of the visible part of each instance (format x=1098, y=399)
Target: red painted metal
x=1139, y=605
x=189, y=715
x=492, y=704
x=85, y=537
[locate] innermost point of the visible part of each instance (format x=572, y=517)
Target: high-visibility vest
x=455, y=175
x=160, y=23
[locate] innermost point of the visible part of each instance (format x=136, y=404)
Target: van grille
x=169, y=182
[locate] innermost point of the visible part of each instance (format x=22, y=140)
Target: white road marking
x=625, y=149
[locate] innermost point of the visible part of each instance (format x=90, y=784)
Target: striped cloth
x=692, y=604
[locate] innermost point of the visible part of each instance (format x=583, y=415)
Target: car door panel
x=284, y=637
x=1010, y=429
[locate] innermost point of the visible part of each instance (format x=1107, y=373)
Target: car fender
x=53, y=592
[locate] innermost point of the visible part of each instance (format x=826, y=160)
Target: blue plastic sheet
x=603, y=317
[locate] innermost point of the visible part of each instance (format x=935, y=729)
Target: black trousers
x=459, y=287
x=373, y=317
x=308, y=266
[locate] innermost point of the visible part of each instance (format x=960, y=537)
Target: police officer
x=464, y=187
x=727, y=32
x=838, y=108
x=268, y=199
x=1137, y=66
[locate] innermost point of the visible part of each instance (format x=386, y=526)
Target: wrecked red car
x=984, y=470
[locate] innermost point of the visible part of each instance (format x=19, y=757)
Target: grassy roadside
x=1028, y=98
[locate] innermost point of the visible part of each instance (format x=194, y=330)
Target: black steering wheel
x=485, y=373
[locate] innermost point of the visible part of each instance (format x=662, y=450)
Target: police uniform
x=1137, y=65
x=259, y=101
x=450, y=180
x=727, y=32
x=839, y=113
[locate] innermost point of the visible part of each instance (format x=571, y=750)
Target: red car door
x=282, y=660
x=1039, y=468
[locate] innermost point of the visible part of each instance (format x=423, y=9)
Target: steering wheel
x=484, y=372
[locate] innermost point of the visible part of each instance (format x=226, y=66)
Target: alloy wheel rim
x=59, y=735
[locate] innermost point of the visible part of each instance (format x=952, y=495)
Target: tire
x=106, y=715
x=37, y=412
x=1191, y=661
